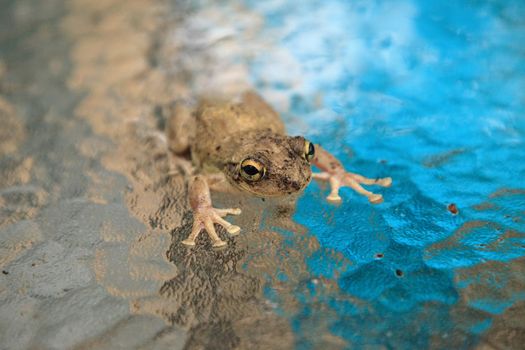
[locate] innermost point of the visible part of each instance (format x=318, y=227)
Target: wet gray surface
x=50, y=224
x=90, y=223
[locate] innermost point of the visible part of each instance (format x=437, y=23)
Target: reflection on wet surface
x=92, y=213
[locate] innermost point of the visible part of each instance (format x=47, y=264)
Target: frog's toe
x=321, y=176
x=334, y=198
x=230, y=211
x=385, y=182
x=189, y=242
x=233, y=230
x=375, y=199
x=219, y=243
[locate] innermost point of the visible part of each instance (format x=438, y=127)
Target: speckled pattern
x=91, y=221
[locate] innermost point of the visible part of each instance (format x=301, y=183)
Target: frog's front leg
x=334, y=172
x=204, y=215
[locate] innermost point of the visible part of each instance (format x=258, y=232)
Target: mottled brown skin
x=226, y=134
x=223, y=137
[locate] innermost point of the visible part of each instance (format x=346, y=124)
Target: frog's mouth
x=280, y=191
x=246, y=188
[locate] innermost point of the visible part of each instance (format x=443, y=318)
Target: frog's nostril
x=295, y=185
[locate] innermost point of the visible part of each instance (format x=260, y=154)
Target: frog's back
x=218, y=125
x=252, y=113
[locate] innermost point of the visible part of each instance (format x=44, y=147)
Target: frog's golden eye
x=252, y=170
x=309, y=151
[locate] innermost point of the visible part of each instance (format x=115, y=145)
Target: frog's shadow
x=209, y=292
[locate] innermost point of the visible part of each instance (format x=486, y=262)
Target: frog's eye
x=252, y=170
x=309, y=151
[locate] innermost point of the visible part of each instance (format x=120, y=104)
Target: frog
x=241, y=145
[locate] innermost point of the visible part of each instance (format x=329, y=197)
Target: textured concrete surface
x=92, y=213
x=89, y=255
x=60, y=208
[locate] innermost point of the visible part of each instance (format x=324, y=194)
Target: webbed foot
x=342, y=179
x=338, y=177
x=205, y=218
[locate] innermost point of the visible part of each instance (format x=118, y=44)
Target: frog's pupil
x=311, y=149
x=250, y=170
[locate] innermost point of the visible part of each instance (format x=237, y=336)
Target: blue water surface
x=431, y=93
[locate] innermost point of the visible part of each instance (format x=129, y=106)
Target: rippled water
x=432, y=95
x=90, y=224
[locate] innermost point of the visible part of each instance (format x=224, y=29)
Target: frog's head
x=271, y=165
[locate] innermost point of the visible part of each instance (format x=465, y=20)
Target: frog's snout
x=297, y=181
